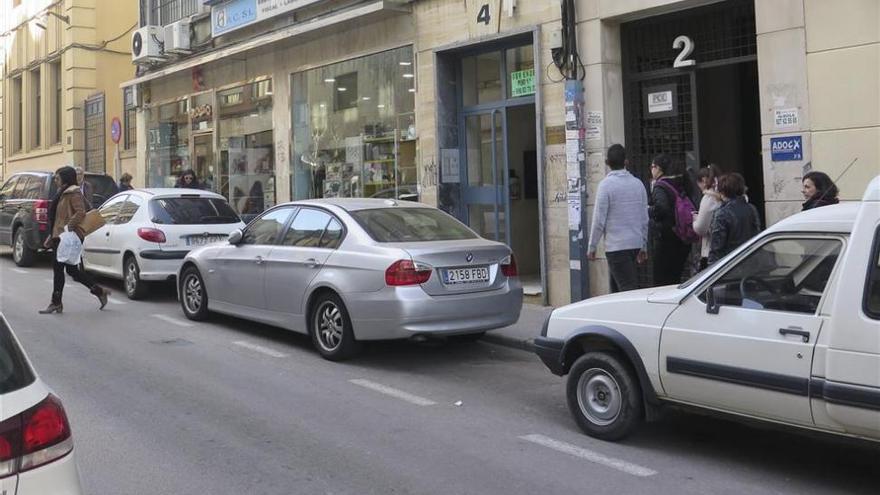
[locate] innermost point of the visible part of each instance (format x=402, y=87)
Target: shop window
x=129, y=119
x=359, y=142
x=95, y=148
x=17, y=114
x=168, y=145
x=247, y=161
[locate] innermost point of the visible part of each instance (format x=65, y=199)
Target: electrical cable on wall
x=566, y=58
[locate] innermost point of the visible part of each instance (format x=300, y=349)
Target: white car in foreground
x=786, y=329
x=149, y=232
x=36, y=446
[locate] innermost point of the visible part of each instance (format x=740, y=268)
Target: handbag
x=92, y=222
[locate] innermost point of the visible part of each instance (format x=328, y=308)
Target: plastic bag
x=69, y=249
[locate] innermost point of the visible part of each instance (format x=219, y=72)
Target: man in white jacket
x=621, y=217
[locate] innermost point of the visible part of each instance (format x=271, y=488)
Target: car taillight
x=35, y=437
x=41, y=211
x=151, y=235
x=508, y=266
x=405, y=272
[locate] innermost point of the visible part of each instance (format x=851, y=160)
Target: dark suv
x=24, y=210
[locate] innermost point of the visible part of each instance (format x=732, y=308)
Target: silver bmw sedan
x=349, y=270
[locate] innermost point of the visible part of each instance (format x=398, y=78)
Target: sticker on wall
x=594, y=125
x=450, y=171
x=522, y=83
x=785, y=118
x=786, y=149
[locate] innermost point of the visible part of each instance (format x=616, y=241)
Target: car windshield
x=103, y=188
x=192, y=211
x=411, y=225
x=15, y=372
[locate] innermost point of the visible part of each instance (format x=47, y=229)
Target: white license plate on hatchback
x=476, y=275
x=201, y=240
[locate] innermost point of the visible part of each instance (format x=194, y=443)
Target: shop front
x=224, y=136
x=354, y=131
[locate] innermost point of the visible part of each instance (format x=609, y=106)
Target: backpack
x=684, y=214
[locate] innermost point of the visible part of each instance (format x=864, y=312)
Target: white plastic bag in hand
x=69, y=249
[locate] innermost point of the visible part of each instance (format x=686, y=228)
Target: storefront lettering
x=205, y=111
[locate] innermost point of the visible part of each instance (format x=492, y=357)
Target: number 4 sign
x=483, y=16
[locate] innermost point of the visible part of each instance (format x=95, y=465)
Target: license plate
x=201, y=240
x=455, y=276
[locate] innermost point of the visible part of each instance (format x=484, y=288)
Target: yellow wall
x=90, y=65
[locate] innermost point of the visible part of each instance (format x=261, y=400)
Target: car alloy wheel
x=192, y=293
x=599, y=397
x=18, y=248
x=131, y=277
x=329, y=326
x=21, y=254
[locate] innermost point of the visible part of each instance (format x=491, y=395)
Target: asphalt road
x=162, y=405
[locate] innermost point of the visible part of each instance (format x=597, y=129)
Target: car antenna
x=839, y=177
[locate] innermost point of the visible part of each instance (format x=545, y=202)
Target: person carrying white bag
x=69, y=225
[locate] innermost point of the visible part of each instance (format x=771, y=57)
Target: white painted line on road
x=260, y=349
x=19, y=270
x=173, y=321
x=393, y=392
x=589, y=455
x=115, y=301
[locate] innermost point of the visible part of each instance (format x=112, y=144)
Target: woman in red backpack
x=671, y=246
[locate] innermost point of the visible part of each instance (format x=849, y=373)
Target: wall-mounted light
x=409, y=76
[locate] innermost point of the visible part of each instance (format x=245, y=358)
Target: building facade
x=490, y=110
x=61, y=64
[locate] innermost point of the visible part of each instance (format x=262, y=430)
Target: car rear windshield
x=411, y=225
x=192, y=211
x=15, y=372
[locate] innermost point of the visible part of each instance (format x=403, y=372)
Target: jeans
x=72, y=270
x=622, y=268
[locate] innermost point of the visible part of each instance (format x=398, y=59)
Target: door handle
x=107, y=233
x=259, y=260
x=312, y=262
x=795, y=331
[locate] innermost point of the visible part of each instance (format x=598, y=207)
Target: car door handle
x=259, y=260
x=795, y=331
x=107, y=233
x=312, y=262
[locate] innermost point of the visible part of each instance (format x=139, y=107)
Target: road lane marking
x=393, y=392
x=19, y=270
x=115, y=301
x=260, y=349
x=173, y=321
x=589, y=455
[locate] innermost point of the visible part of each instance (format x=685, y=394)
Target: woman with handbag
x=66, y=214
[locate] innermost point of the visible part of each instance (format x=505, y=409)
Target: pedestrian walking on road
x=818, y=190
x=188, y=180
x=707, y=178
x=66, y=214
x=621, y=217
x=736, y=220
x=670, y=251
x=125, y=182
x=84, y=186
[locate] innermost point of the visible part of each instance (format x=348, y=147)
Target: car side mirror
x=236, y=237
x=712, y=306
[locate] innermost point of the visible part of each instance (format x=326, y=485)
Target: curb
x=527, y=345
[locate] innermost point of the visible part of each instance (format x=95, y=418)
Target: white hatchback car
x=36, y=446
x=149, y=232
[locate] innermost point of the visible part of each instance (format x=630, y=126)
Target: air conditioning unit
x=177, y=37
x=148, y=44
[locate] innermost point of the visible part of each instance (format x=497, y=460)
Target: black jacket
x=735, y=222
x=817, y=201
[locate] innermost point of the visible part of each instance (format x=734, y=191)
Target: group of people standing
x=624, y=216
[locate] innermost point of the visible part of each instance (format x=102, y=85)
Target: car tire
x=604, y=396
x=135, y=288
x=193, y=296
x=22, y=255
x=331, y=330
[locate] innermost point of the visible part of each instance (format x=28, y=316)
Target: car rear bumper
x=550, y=352
x=160, y=267
x=60, y=476
x=404, y=312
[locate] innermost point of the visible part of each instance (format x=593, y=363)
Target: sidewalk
x=523, y=333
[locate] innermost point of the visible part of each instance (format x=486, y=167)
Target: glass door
x=203, y=159
x=485, y=198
